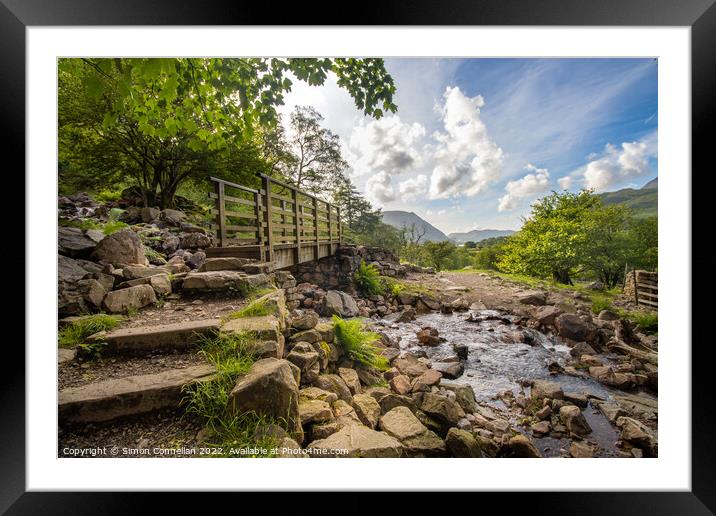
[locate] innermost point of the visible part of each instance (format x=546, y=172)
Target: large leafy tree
x=553, y=240
x=163, y=121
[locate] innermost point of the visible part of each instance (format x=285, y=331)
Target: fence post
x=636, y=289
x=221, y=208
x=269, y=221
x=330, y=227
x=315, y=226
x=340, y=226
x=261, y=237
x=296, y=224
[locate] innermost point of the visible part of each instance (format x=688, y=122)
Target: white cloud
x=565, y=183
x=413, y=187
x=379, y=188
x=466, y=158
x=614, y=166
x=535, y=182
x=385, y=145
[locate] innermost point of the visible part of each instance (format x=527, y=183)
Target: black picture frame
x=700, y=15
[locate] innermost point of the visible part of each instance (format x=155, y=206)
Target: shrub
x=600, y=303
x=359, y=344
x=367, y=280
x=113, y=226
x=648, y=321
x=76, y=332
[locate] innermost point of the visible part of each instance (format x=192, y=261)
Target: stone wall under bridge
x=336, y=272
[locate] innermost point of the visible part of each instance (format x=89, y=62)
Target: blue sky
x=476, y=141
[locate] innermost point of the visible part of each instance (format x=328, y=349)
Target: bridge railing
x=276, y=216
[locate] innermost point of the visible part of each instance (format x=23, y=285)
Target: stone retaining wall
x=336, y=272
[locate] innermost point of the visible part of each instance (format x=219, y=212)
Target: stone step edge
x=142, y=340
x=133, y=395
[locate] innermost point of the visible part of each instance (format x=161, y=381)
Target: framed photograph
x=409, y=251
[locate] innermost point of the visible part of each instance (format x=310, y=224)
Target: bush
x=359, y=344
x=600, y=303
x=75, y=333
x=648, y=321
x=367, y=280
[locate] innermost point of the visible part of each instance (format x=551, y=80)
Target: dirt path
x=493, y=292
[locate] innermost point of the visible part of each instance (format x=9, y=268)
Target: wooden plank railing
x=277, y=215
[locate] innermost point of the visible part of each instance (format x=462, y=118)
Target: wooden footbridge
x=277, y=223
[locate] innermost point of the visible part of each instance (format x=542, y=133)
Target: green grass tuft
x=359, y=344
x=233, y=355
x=75, y=333
x=600, y=303
x=113, y=226
x=367, y=280
x=258, y=306
x=648, y=321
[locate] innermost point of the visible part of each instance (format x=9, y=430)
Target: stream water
x=500, y=356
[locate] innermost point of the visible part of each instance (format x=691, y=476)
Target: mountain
x=477, y=235
x=643, y=201
x=651, y=184
x=400, y=219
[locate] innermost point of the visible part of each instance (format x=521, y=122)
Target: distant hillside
x=643, y=201
x=477, y=235
x=400, y=219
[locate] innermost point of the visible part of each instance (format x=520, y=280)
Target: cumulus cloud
x=535, y=182
x=565, y=183
x=467, y=160
x=614, y=165
x=379, y=187
x=386, y=145
x=413, y=187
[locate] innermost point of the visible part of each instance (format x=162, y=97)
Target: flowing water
x=500, y=356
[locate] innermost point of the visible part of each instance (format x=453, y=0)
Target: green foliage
x=113, y=226
x=359, y=344
x=600, y=303
x=367, y=280
x=153, y=256
x=109, y=194
x=91, y=350
x=259, y=307
x=132, y=311
x=156, y=123
x=392, y=286
x=648, y=321
x=570, y=234
x=76, y=332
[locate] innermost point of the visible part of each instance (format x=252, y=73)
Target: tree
x=163, y=121
x=440, y=253
x=316, y=151
x=553, y=240
x=470, y=244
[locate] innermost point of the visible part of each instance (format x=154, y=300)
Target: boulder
x=69, y=270
x=310, y=336
x=540, y=428
x=73, y=242
x=218, y=281
x=425, y=381
x=576, y=398
x=305, y=358
x=269, y=388
x=173, y=217
x=546, y=315
x=356, y=440
x=545, y=389
x=314, y=411
x=149, y=214
x=93, y=292
x=194, y=241
x=571, y=416
x=608, y=376
x=339, y=303
x=305, y=321
x=335, y=384
x=522, y=447
x=129, y=298
x=442, y=408
x=429, y=337
x=410, y=365
x=450, y=370
x=400, y=384
x=461, y=443
x=581, y=450
x=314, y=393
x=350, y=376
x=533, y=298
x=367, y=409
x=122, y=247
x=637, y=434
x=415, y=437
x=582, y=348
x=406, y=315
x=391, y=400
x=464, y=395
x=571, y=326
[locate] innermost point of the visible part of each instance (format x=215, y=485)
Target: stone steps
x=111, y=399
x=144, y=340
